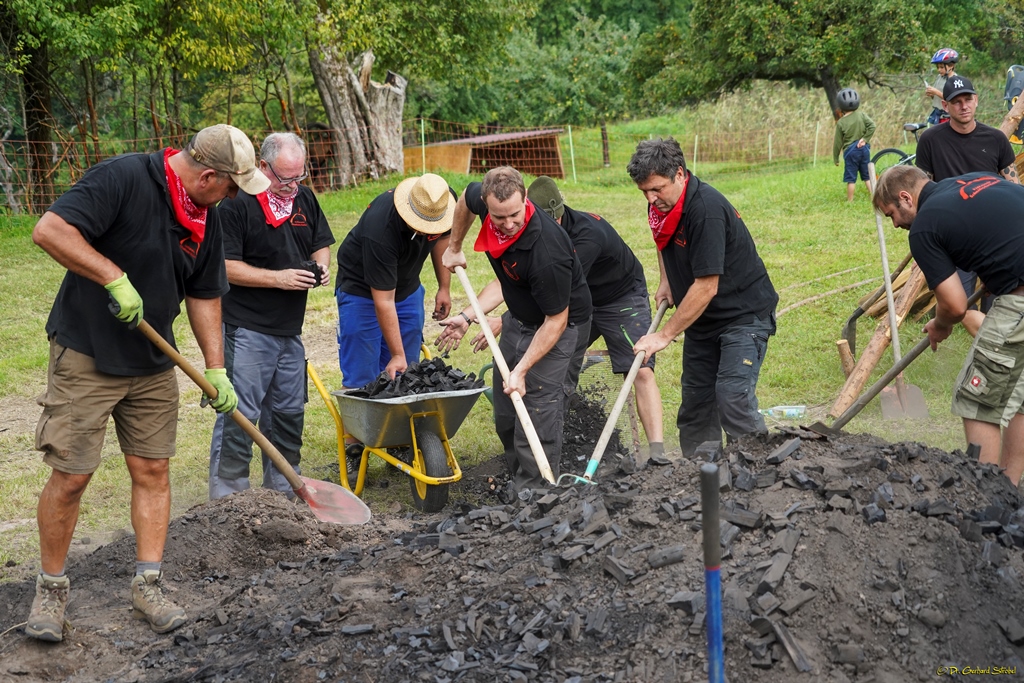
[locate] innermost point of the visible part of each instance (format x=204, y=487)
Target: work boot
x=353, y=456
x=46, y=620
x=150, y=604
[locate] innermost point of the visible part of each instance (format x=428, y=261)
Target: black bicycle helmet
x=946, y=55
x=848, y=99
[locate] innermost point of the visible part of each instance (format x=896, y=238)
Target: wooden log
x=845, y=357
x=880, y=307
x=873, y=353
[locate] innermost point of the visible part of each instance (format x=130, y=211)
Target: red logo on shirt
x=189, y=246
x=596, y=217
x=970, y=189
x=299, y=219
x=508, y=268
x=681, y=237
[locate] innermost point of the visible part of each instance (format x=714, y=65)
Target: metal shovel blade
x=902, y=400
x=333, y=503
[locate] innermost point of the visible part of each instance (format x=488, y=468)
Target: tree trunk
x=38, y=129
x=366, y=117
x=604, y=144
x=831, y=85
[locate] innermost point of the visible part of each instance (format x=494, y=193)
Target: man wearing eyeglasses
x=276, y=248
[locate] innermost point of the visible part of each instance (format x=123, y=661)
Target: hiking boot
x=150, y=604
x=353, y=456
x=46, y=620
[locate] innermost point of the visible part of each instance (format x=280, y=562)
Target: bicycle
x=894, y=156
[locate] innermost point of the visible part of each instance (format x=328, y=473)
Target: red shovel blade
x=333, y=503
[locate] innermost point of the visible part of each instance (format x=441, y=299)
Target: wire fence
x=34, y=174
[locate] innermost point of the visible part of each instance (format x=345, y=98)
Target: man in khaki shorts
x=136, y=228
x=972, y=222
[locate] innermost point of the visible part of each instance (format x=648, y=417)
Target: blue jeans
x=719, y=382
x=362, y=352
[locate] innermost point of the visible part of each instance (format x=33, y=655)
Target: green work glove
x=125, y=304
x=226, y=400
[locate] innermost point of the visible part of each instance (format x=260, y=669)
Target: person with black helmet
x=853, y=137
x=944, y=59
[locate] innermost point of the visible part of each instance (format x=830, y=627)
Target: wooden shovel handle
x=517, y=401
x=275, y=456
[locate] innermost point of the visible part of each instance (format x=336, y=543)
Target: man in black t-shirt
x=964, y=146
x=618, y=288
x=380, y=298
x=540, y=280
x=971, y=222
x=725, y=300
x=276, y=248
x=151, y=218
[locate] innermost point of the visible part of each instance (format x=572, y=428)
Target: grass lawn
x=804, y=229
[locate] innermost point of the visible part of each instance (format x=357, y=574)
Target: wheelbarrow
x=424, y=423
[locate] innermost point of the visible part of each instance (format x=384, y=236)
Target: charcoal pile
x=428, y=377
x=844, y=561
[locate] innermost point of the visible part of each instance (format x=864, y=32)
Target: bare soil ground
x=564, y=587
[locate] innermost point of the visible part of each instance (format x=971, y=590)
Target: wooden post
x=873, y=353
x=423, y=145
x=817, y=129
x=845, y=357
x=572, y=155
x=693, y=165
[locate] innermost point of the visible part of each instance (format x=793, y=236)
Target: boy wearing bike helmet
x=945, y=60
x=853, y=135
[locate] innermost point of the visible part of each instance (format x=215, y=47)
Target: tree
x=821, y=42
x=431, y=39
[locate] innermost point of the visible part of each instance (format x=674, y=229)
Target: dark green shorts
x=990, y=387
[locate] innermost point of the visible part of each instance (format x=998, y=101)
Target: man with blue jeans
x=380, y=297
x=277, y=246
x=725, y=301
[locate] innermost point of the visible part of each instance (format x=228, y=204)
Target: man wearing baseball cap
x=138, y=228
x=965, y=146
x=380, y=297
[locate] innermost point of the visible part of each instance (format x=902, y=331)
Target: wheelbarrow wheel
x=430, y=459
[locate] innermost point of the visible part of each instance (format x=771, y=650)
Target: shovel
x=609, y=426
x=849, y=332
x=329, y=502
x=517, y=401
x=884, y=380
x=905, y=400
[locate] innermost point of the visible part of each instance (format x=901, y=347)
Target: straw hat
x=425, y=204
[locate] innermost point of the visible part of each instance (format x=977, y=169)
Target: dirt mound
x=579, y=584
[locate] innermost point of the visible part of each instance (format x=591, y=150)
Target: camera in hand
x=314, y=268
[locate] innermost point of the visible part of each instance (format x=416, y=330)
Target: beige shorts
x=990, y=387
x=79, y=401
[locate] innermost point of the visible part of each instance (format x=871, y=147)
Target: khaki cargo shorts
x=990, y=387
x=79, y=401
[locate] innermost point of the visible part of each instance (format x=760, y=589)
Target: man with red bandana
x=277, y=246
x=136, y=228
x=725, y=301
x=549, y=306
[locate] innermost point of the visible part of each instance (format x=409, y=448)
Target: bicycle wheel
x=888, y=158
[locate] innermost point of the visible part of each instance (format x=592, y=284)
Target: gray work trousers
x=547, y=385
x=269, y=376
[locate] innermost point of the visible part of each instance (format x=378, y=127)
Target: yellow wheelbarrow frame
x=417, y=470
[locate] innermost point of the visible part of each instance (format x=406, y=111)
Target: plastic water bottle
x=788, y=412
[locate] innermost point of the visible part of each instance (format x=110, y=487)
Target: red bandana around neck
x=276, y=209
x=495, y=242
x=663, y=225
x=191, y=217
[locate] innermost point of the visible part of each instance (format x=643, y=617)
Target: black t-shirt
x=382, y=252
x=123, y=210
x=713, y=240
x=608, y=264
x=971, y=222
x=539, y=274
x=249, y=238
x=943, y=153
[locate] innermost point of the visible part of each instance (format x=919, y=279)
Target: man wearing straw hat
x=277, y=246
x=138, y=234
x=549, y=307
x=380, y=297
